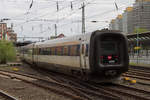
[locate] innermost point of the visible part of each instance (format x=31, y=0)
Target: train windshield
x=109, y=52
x=108, y=47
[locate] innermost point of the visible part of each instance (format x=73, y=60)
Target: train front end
x=109, y=54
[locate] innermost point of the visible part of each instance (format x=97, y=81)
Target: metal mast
x=83, y=18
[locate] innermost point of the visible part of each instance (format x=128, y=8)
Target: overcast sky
x=39, y=21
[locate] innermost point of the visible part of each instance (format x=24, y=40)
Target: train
x=101, y=55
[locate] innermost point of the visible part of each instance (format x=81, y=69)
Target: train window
x=39, y=51
x=49, y=51
x=87, y=48
x=52, y=51
x=55, y=51
x=69, y=51
x=65, y=51
x=108, y=47
x=62, y=50
x=73, y=50
x=43, y=51
x=78, y=50
x=59, y=51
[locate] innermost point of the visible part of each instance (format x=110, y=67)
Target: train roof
x=70, y=40
x=63, y=41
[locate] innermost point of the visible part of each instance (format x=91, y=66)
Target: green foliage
x=7, y=52
x=140, y=30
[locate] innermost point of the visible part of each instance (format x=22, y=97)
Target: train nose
x=111, y=73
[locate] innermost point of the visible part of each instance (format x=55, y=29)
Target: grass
x=139, y=64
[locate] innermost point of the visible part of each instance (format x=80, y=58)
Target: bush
x=7, y=52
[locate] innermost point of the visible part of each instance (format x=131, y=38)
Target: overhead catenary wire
x=31, y=19
x=71, y=13
x=64, y=18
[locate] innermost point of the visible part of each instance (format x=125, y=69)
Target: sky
x=40, y=19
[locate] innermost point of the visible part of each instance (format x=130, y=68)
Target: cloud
x=69, y=21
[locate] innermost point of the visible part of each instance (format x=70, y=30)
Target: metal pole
x=137, y=45
x=55, y=30
x=83, y=18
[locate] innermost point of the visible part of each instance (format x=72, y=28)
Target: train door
x=83, y=55
x=36, y=54
x=33, y=52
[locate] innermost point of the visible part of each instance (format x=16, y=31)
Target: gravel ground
x=24, y=91
x=3, y=98
x=26, y=69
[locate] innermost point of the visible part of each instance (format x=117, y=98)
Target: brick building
x=3, y=30
x=11, y=36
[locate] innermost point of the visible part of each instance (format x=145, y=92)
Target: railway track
x=78, y=90
x=80, y=85
x=5, y=96
x=119, y=91
x=140, y=68
x=77, y=84
x=73, y=92
x=125, y=92
x=138, y=73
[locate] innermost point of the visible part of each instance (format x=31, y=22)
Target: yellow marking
x=129, y=9
x=15, y=69
x=137, y=48
x=126, y=78
x=133, y=81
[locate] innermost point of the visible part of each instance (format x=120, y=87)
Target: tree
x=7, y=52
x=140, y=30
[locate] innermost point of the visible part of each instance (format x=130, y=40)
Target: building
x=59, y=36
x=11, y=36
x=3, y=30
x=136, y=17
x=7, y=33
x=116, y=24
x=141, y=14
x=127, y=21
x=112, y=24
